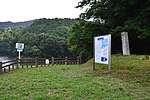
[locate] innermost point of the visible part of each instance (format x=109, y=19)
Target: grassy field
x=129, y=80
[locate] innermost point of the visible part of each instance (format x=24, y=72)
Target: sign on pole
x=19, y=47
x=102, y=50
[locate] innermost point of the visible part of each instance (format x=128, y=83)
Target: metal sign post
x=19, y=55
x=19, y=47
x=94, y=54
x=102, y=50
x=109, y=54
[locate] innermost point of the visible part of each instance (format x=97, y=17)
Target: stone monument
x=125, y=43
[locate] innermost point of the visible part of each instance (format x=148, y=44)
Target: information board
x=102, y=49
x=20, y=46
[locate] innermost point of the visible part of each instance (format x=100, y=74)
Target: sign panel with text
x=20, y=46
x=102, y=49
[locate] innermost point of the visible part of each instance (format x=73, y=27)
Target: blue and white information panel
x=102, y=49
x=20, y=47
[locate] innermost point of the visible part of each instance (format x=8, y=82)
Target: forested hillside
x=15, y=25
x=43, y=38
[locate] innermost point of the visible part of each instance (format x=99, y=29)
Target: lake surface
x=5, y=58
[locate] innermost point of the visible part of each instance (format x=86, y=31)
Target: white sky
x=23, y=10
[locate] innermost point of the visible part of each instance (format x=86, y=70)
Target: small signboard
x=47, y=61
x=20, y=47
x=102, y=45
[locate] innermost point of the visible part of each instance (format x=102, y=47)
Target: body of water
x=5, y=58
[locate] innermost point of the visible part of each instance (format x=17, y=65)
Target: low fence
x=9, y=65
x=35, y=62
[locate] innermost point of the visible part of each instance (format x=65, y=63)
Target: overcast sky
x=23, y=10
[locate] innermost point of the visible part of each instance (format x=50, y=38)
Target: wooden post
x=36, y=61
x=78, y=60
x=9, y=68
x=18, y=63
x=4, y=70
x=0, y=67
x=13, y=67
x=66, y=60
x=52, y=60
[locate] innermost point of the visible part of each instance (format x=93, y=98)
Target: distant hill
x=43, y=38
x=15, y=25
x=54, y=26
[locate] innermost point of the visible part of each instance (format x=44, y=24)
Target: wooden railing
x=35, y=62
x=9, y=65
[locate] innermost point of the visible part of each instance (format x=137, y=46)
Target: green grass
x=129, y=80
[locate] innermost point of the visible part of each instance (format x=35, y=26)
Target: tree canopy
x=120, y=15
x=113, y=17
x=81, y=39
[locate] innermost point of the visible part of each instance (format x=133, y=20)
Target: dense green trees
x=113, y=17
x=48, y=37
x=120, y=15
x=44, y=38
x=81, y=39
